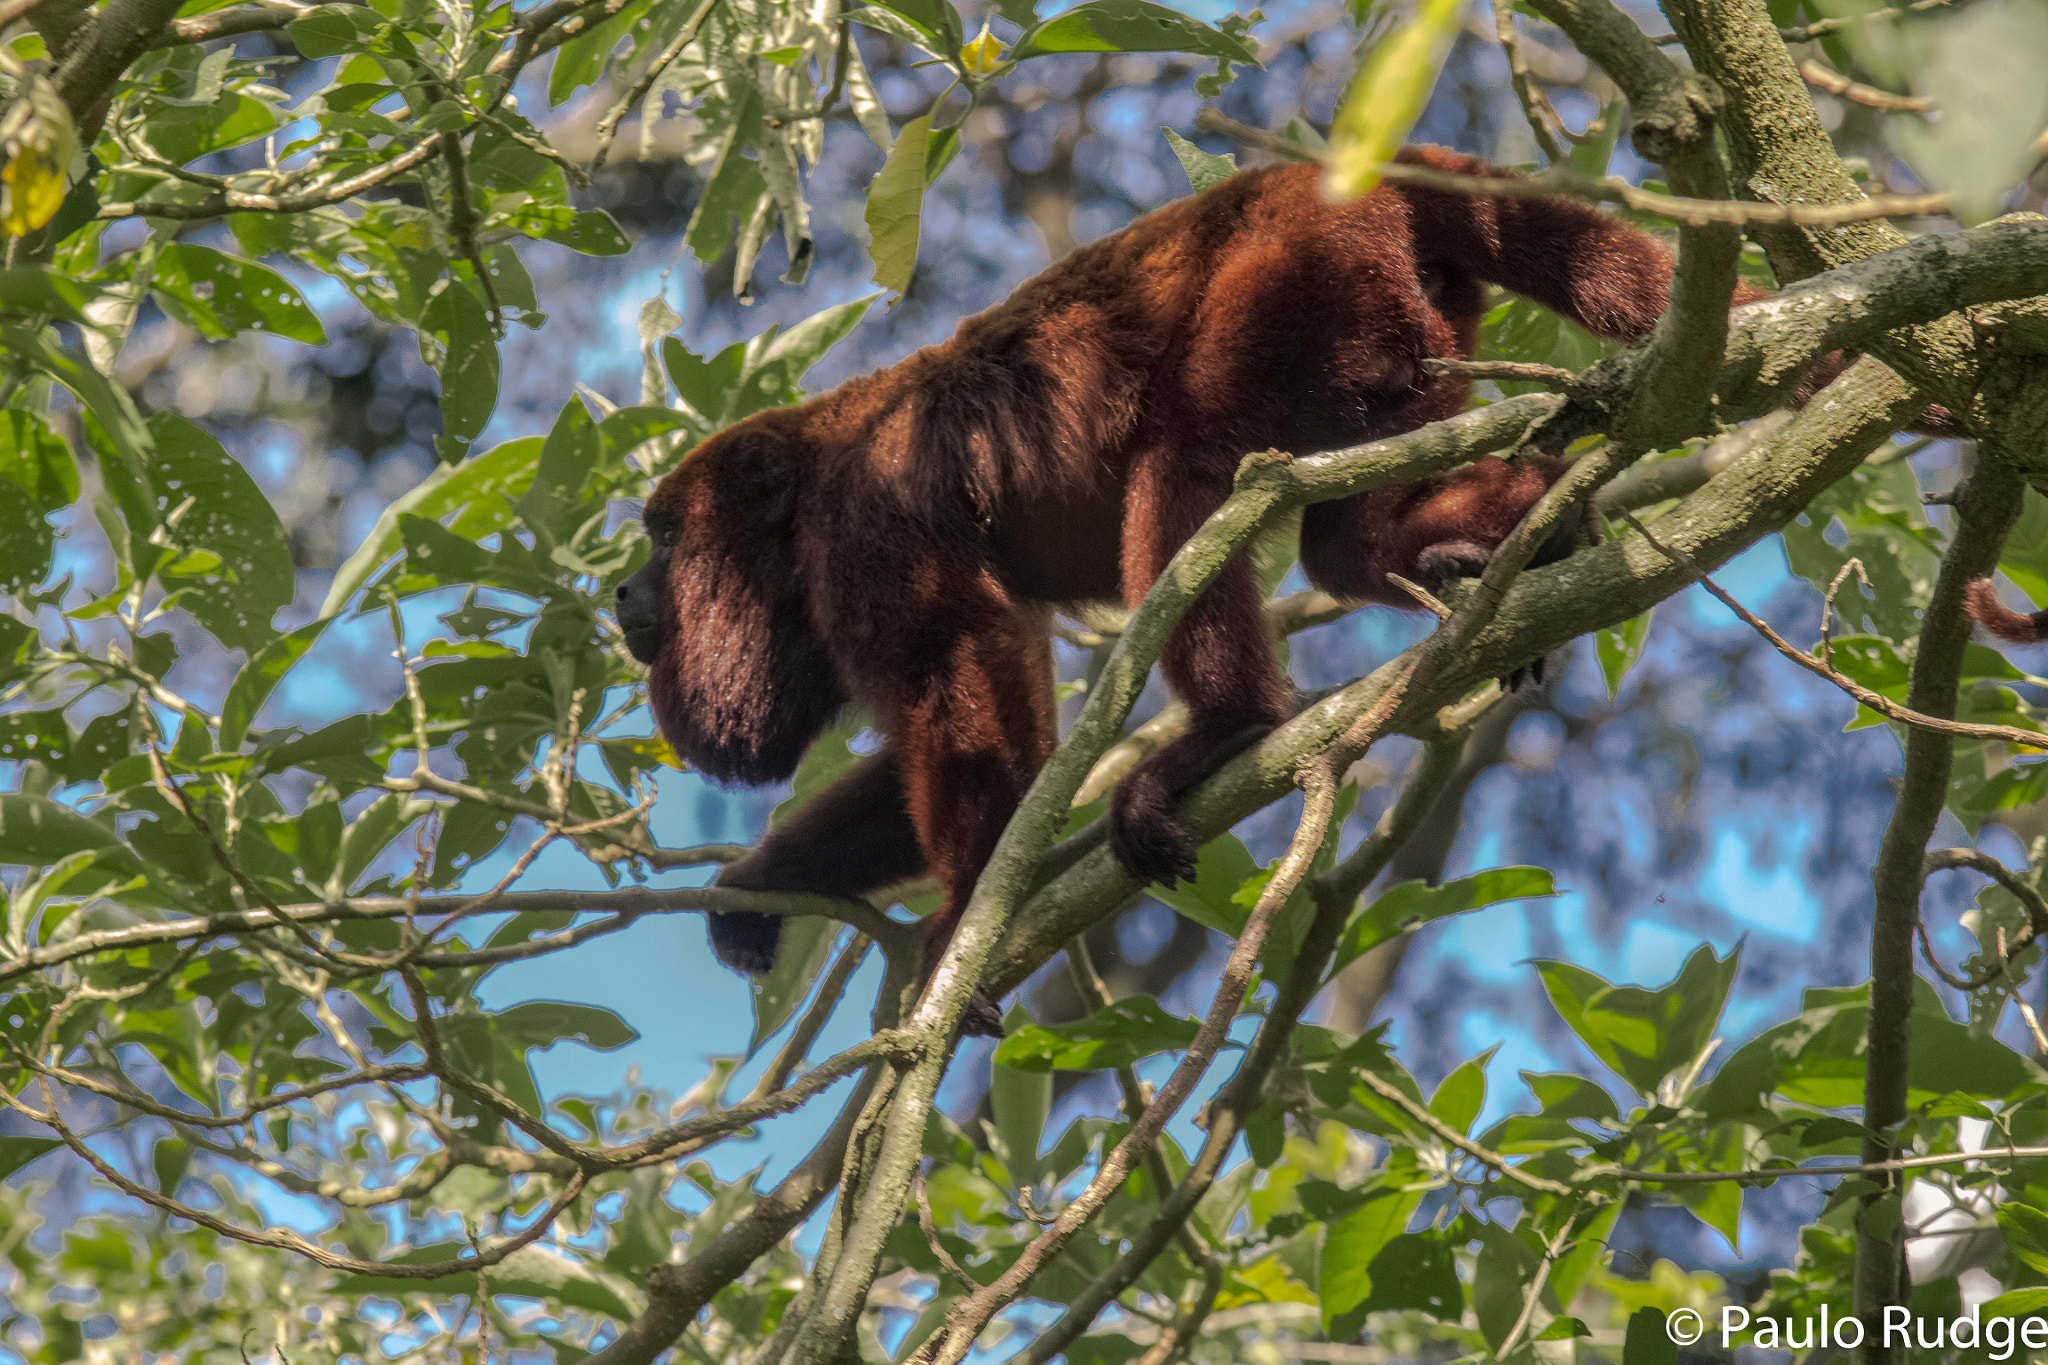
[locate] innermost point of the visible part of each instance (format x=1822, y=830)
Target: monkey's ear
x=2003, y=621
x=743, y=683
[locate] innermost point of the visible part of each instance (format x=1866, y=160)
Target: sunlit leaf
x=1386, y=97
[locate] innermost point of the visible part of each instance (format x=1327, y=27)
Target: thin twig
x=931, y=1237
x=1824, y=77
x=1560, y=180
x=1876, y=701
x=608, y=126
x=1535, y=108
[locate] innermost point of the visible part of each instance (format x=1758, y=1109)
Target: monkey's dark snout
x=637, y=606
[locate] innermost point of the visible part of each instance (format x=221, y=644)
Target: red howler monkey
x=897, y=543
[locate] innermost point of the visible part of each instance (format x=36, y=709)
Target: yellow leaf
x=34, y=191
x=984, y=54
x=1386, y=97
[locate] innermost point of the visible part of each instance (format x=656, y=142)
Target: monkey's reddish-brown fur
x=896, y=543
x=2021, y=628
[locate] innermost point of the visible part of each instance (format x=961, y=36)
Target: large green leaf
x=220, y=295
x=1644, y=1035
x=232, y=567
x=456, y=339
x=1404, y=908
x=1818, y=1058
x=26, y=539
x=37, y=459
x=1116, y=1035
x=259, y=678
x=1345, y=1279
x=1130, y=26
x=486, y=485
x=896, y=204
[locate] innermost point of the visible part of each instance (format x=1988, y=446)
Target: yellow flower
x=984, y=54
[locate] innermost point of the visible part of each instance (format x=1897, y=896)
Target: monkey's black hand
x=1530, y=673
x=745, y=941
x=982, y=1018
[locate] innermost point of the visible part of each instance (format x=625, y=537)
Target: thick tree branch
x=1986, y=506
x=1547, y=607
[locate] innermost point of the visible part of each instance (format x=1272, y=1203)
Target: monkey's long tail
x=2003, y=621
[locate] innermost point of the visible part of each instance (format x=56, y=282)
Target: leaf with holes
x=221, y=295
x=230, y=565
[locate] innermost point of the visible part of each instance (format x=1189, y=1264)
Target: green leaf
x=1618, y=648
x=1874, y=514
x=259, y=678
x=735, y=187
x=470, y=833
x=488, y=483
x=790, y=356
x=1130, y=26
x=233, y=568
x=221, y=295
x=38, y=291
x=1419, y=1271
x=1386, y=96
x=1020, y=1099
x=567, y=456
x=37, y=459
x=2026, y=1234
x=26, y=539
x=1115, y=1035
x=543, y=1023
x=529, y=1272
x=1463, y=1094
x=1644, y=1035
x=1649, y=1340
x=331, y=30
x=121, y=426
x=1344, y=1279
x=885, y=19
x=17, y=1152
x=590, y=231
x=627, y=429
x=1817, y=1058
x=36, y=832
x=1407, y=907
x=1564, y=1329
x=1223, y=866
x=1204, y=168
x=456, y=339
x=2016, y=1303
x=582, y=59
x=895, y=205
x=1500, y=1276
x=805, y=949
x=2025, y=557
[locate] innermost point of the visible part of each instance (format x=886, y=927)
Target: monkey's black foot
x=1530, y=673
x=745, y=941
x=1145, y=837
x=982, y=1018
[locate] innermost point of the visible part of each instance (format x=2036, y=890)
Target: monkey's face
x=641, y=602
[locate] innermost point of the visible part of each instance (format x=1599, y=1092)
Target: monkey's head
x=738, y=677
